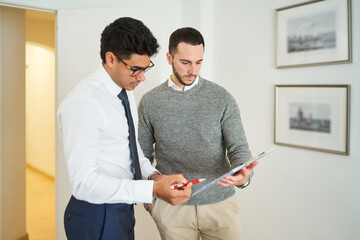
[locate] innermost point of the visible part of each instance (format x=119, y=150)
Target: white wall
x=295, y=194
x=40, y=91
x=40, y=108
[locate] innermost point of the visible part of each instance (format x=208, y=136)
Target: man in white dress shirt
x=94, y=127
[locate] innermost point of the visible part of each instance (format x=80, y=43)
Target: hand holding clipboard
x=233, y=171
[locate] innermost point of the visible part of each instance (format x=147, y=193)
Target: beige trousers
x=218, y=221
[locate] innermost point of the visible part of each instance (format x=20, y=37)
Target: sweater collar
x=175, y=87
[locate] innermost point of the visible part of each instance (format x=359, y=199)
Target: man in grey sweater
x=193, y=126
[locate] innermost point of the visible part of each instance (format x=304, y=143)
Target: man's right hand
x=174, y=197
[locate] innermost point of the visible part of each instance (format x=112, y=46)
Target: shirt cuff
x=153, y=173
x=144, y=190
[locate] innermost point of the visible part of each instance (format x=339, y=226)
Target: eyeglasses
x=137, y=70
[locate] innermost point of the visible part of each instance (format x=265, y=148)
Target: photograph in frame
x=314, y=117
x=313, y=33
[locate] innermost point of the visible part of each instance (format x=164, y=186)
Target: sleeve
x=80, y=123
x=146, y=132
x=233, y=132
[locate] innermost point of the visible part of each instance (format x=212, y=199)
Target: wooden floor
x=40, y=205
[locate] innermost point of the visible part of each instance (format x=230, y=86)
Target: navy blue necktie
x=133, y=149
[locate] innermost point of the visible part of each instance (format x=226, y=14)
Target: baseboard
x=25, y=237
x=41, y=172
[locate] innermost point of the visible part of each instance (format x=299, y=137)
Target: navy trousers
x=87, y=221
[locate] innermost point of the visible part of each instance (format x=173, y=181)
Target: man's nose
x=140, y=76
x=192, y=70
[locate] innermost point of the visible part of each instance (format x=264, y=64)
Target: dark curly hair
x=126, y=36
x=187, y=35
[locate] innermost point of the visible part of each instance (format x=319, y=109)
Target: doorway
x=16, y=132
x=40, y=124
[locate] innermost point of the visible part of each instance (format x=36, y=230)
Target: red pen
x=179, y=185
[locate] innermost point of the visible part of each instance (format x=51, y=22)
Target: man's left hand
x=239, y=178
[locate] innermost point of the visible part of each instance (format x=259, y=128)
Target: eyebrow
x=185, y=60
x=138, y=67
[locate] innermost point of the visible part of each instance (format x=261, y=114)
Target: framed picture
x=313, y=33
x=314, y=117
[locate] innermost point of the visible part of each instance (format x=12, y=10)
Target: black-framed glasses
x=137, y=70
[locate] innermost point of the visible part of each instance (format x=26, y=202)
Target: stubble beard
x=177, y=75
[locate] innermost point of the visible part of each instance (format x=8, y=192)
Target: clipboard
x=233, y=171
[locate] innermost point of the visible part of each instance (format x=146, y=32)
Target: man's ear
x=169, y=58
x=110, y=59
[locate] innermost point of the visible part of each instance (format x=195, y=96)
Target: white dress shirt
x=177, y=88
x=94, y=131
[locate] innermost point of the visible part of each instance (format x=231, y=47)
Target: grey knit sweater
x=197, y=132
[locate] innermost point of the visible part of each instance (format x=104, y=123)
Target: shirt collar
x=110, y=85
x=175, y=87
